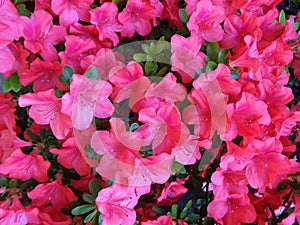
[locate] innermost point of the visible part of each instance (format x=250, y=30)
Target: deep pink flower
x=55, y=193
x=12, y=59
x=46, y=109
x=9, y=142
x=44, y=75
x=136, y=16
x=116, y=204
x=250, y=114
x=8, y=118
x=106, y=21
x=233, y=209
x=70, y=157
x=205, y=21
x=70, y=11
x=29, y=166
x=172, y=190
x=78, y=50
x=11, y=24
x=40, y=36
x=118, y=148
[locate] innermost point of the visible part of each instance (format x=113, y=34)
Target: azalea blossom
x=46, y=109
x=29, y=166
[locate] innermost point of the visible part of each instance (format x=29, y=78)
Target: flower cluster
x=149, y=112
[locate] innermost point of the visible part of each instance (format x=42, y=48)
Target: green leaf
x=91, y=216
x=234, y=75
x=90, y=153
x=186, y=209
x=150, y=68
x=94, y=187
x=153, y=48
x=67, y=72
x=88, y=198
x=21, y=8
x=13, y=183
x=82, y=209
x=212, y=51
x=134, y=126
x=92, y=73
x=184, y=17
x=282, y=18
x=222, y=58
x=159, y=209
x=208, y=221
x=3, y=182
x=99, y=219
x=12, y=83
x=63, y=80
x=174, y=211
x=162, y=72
x=192, y=218
x=34, y=137
x=296, y=26
x=177, y=168
x=210, y=66
x=146, y=49
x=140, y=57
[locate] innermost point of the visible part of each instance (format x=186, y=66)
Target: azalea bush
x=149, y=112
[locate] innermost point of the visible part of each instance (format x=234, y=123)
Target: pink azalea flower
x=11, y=24
x=70, y=157
x=46, y=109
x=118, y=148
x=86, y=99
x=9, y=142
x=55, y=193
x=116, y=204
x=186, y=57
x=172, y=190
x=40, y=36
x=70, y=11
x=106, y=21
x=44, y=74
x=29, y=166
x=8, y=118
x=234, y=209
x=205, y=21
x=12, y=59
x=170, y=13
x=164, y=220
x=77, y=50
x=136, y=16
x=248, y=118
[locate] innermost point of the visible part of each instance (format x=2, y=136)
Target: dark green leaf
x=88, y=198
x=92, y=73
x=21, y=8
x=212, y=51
x=67, y=72
x=34, y=137
x=90, y=216
x=222, y=58
x=282, y=18
x=208, y=221
x=184, y=17
x=3, y=182
x=82, y=209
x=94, y=187
x=150, y=68
x=296, y=26
x=63, y=80
x=100, y=219
x=13, y=183
x=160, y=210
x=192, y=218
